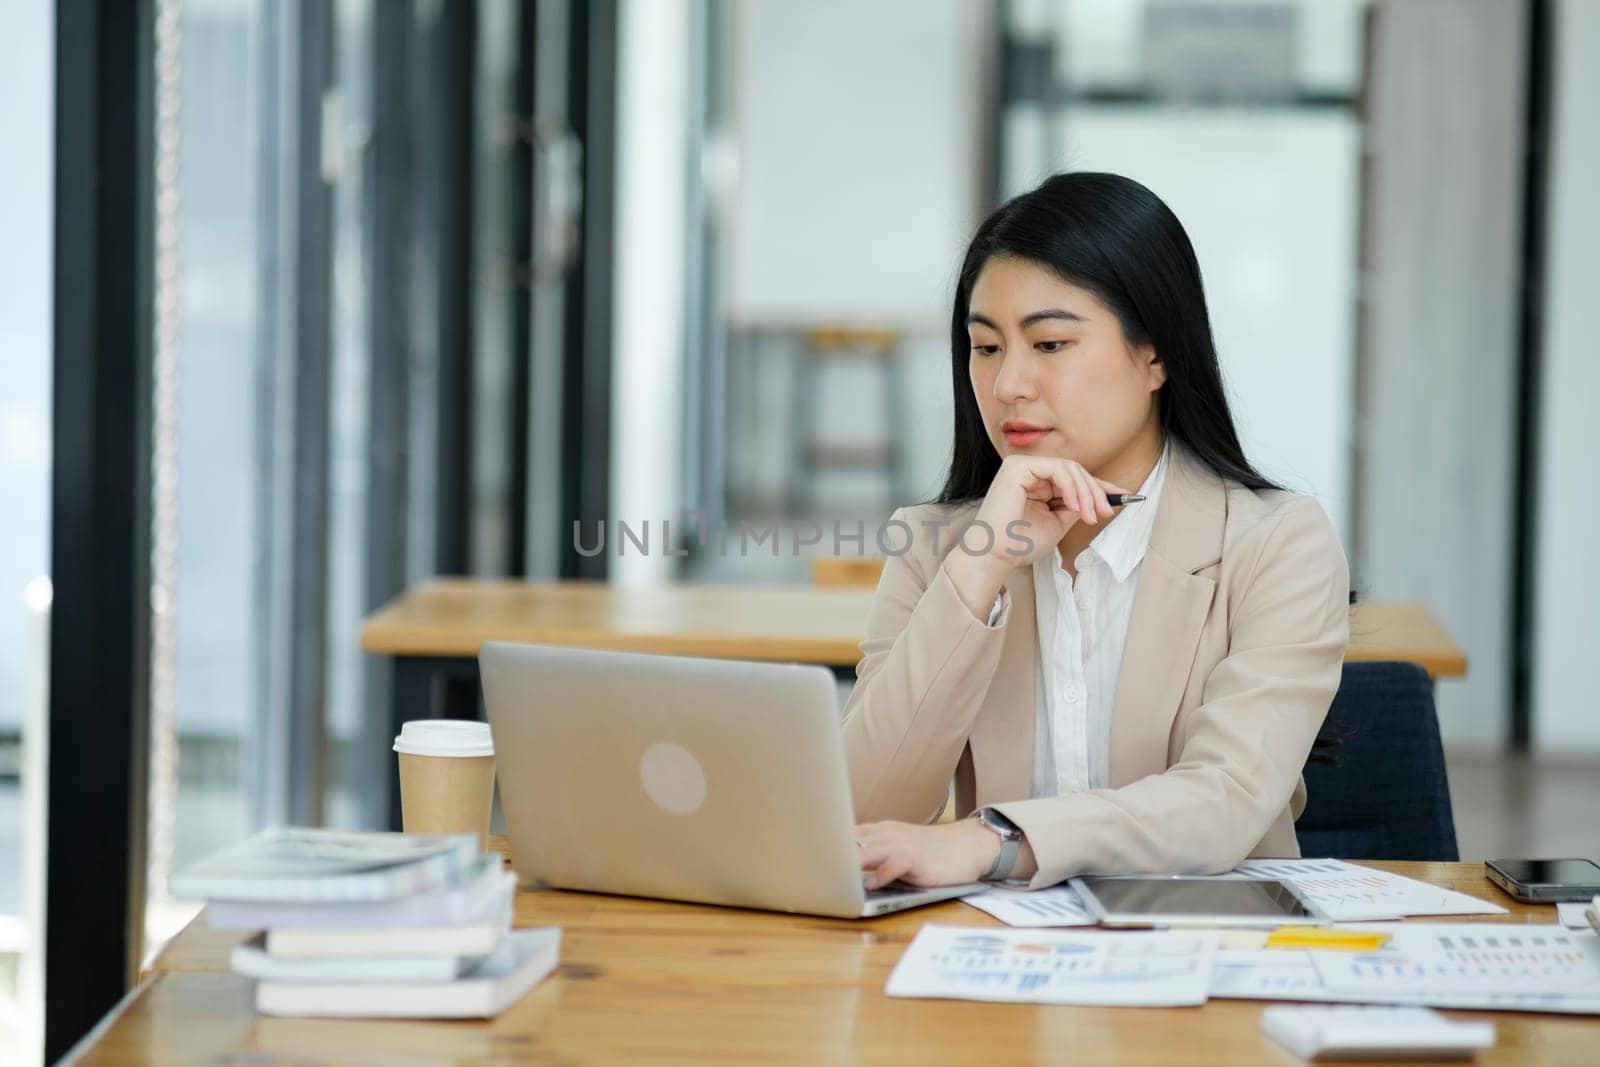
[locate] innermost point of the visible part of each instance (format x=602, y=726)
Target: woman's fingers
x=1075, y=495
x=885, y=856
x=874, y=854
x=1097, y=496
x=1082, y=493
x=883, y=873
x=876, y=848
x=1042, y=482
x=1066, y=488
x=1089, y=508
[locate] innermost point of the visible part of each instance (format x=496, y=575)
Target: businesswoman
x=1122, y=689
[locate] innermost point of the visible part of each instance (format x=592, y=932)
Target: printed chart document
x=1347, y=892
x=1057, y=906
x=1528, y=968
x=1043, y=967
x=1344, y=891
x=1509, y=967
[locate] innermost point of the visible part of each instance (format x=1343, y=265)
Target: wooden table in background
x=652, y=980
x=449, y=618
x=432, y=633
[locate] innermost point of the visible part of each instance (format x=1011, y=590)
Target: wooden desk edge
x=1440, y=664
x=381, y=642
x=98, y=1031
x=840, y=652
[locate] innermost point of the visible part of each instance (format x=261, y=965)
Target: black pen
x=1116, y=500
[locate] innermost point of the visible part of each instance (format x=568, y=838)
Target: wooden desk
x=651, y=980
x=434, y=631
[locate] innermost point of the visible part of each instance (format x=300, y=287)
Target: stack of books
x=372, y=924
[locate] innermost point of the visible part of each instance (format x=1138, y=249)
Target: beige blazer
x=1233, y=654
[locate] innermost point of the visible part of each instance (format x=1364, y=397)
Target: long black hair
x=1112, y=236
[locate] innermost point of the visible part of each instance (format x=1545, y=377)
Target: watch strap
x=1010, y=844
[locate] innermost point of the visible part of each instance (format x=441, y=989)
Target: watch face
x=994, y=820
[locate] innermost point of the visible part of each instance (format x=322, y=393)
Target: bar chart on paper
x=1028, y=966
x=1348, y=892
x=1474, y=957
x=1529, y=968
x=1443, y=965
x=1057, y=906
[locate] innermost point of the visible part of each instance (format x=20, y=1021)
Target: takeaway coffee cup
x=446, y=777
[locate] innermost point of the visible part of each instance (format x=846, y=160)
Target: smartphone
x=1545, y=881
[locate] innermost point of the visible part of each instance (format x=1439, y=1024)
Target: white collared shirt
x=1083, y=626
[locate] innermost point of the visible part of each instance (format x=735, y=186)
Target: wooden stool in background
x=812, y=453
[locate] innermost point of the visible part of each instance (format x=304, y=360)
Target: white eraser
x=1362, y=1032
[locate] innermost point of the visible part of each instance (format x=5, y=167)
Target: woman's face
x=1051, y=370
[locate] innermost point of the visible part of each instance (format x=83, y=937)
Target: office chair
x=1376, y=785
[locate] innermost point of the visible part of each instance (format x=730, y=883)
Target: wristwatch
x=1010, y=843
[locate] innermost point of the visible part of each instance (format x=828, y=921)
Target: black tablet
x=1195, y=901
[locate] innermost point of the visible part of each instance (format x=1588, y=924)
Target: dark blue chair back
x=1379, y=791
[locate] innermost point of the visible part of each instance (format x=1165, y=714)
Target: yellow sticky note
x=1317, y=937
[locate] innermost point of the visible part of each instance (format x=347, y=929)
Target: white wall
x=860, y=131
x=27, y=198
x=27, y=86
x=1567, y=625
x=1269, y=201
x=859, y=137
x=1102, y=45
x=1436, y=403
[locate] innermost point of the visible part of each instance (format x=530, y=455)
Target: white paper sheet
x=1347, y=892
x=1266, y=974
x=1042, y=967
x=1487, y=957
x=1057, y=906
x=1572, y=914
x=1507, y=967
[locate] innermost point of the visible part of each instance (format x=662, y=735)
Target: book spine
x=422, y=875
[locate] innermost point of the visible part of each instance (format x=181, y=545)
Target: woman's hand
x=951, y=853
x=1021, y=492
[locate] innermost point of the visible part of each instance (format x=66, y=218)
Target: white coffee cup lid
x=444, y=737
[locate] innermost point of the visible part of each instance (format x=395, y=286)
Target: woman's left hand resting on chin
x=951, y=853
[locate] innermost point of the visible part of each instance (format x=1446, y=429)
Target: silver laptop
x=716, y=781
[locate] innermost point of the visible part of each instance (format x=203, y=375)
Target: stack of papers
x=371, y=924
x=1346, y=892
x=1503, y=967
